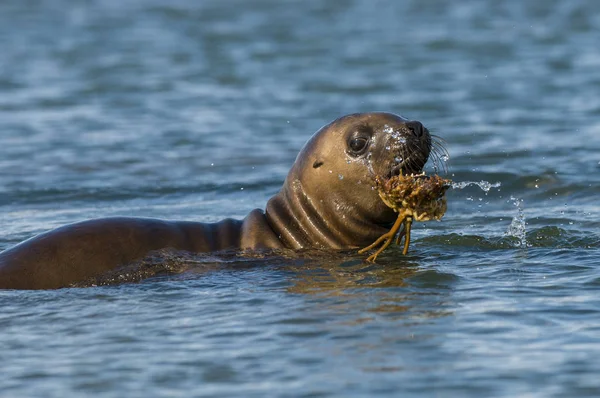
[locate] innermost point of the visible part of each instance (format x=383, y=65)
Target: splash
x=484, y=185
x=517, y=226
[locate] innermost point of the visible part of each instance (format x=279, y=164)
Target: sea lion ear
x=317, y=164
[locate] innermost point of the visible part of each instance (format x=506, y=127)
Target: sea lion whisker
x=439, y=144
x=415, y=162
x=412, y=162
x=437, y=161
x=435, y=137
x=440, y=149
x=439, y=154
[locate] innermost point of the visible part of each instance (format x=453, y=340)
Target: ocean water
x=196, y=110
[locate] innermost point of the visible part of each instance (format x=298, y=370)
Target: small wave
x=471, y=241
x=557, y=237
x=544, y=237
x=103, y=194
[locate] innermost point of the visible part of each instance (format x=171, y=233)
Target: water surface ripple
x=196, y=110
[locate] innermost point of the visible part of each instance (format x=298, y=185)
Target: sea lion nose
x=416, y=128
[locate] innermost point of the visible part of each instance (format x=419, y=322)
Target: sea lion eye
x=358, y=145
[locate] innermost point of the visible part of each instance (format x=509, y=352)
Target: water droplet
x=518, y=223
x=484, y=185
x=398, y=159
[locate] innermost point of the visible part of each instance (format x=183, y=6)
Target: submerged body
x=314, y=208
x=78, y=251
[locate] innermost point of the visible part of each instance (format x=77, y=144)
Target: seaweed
x=413, y=197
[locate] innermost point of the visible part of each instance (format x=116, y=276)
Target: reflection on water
x=347, y=277
x=385, y=287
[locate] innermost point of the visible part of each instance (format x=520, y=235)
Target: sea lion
x=328, y=200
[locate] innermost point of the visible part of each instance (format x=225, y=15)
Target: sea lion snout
x=416, y=128
x=406, y=149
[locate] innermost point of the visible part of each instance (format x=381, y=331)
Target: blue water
x=196, y=110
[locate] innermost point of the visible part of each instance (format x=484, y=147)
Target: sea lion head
x=329, y=198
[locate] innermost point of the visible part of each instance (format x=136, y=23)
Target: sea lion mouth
x=410, y=166
x=409, y=149
x=412, y=153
